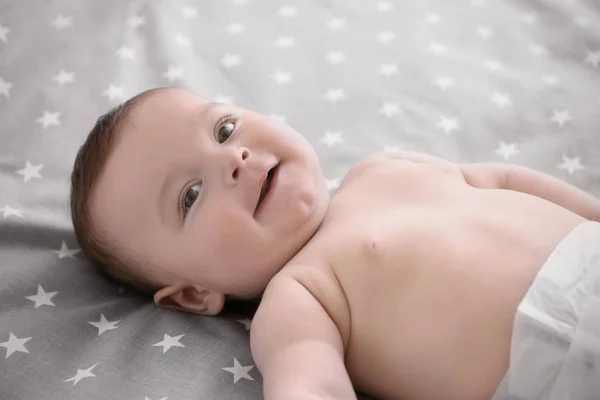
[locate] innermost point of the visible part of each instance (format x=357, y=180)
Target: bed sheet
x=467, y=80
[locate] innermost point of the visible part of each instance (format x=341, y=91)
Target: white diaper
x=555, y=353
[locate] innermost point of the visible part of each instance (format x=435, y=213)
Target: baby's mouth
x=265, y=187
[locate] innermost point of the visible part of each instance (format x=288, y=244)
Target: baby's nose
x=237, y=162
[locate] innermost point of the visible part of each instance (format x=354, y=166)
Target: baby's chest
x=414, y=282
x=390, y=183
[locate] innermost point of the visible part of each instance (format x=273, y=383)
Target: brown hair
x=103, y=253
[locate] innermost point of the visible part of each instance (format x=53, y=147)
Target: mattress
x=467, y=80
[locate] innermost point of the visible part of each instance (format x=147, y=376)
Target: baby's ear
x=190, y=298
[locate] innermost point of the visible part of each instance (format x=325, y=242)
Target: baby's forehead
x=165, y=99
x=165, y=110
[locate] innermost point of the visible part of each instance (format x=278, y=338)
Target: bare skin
x=409, y=288
x=403, y=285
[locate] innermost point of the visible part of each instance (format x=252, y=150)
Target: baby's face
x=181, y=188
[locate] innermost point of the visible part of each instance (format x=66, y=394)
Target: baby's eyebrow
x=208, y=108
x=163, y=195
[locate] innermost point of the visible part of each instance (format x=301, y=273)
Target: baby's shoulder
x=304, y=294
x=286, y=307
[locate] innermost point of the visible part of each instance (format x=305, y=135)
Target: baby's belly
x=439, y=339
x=432, y=307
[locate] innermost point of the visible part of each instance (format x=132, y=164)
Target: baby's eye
x=190, y=196
x=225, y=130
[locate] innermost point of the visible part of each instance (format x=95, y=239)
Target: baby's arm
x=297, y=347
x=536, y=183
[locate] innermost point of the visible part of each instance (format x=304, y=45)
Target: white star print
x=61, y=22
x=281, y=77
x=493, y=65
x=135, y=21
x=433, y=18
x=449, y=124
x=282, y=118
x=571, y=165
x=333, y=184
x=285, y=41
x=391, y=149
x=593, y=58
x=389, y=109
x=224, y=99
x=8, y=211
x=4, y=31
x=385, y=37
x=126, y=53
x=49, y=119
x=529, y=18
x=288, y=11
x=501, y=99
x=384, y=6
x=42, y=298
x=82, y=373
x=5, y=87
x=336, y=57
x=443, y=82
x=335, y=95
x=103, y=325
x=485, y=31
x=64, y=251
x=561, y=116
x=189, y=12
x=30, y=171
x=170, y=341
x=331, y=138
x=114, y=92
x=231, y=60
x=550, y=79
x=247, y=322
x=182, y=40
x=336, y=23
x=388, y=69
x=173, y=73
x=507, y=150
x=63, y=77
x=538, y=49
x=239, y=371
x=236, y=27
x=14, y=344
x=438, y=48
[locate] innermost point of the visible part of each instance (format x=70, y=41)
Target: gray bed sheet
x=468, y=80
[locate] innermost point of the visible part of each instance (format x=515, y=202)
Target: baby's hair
x=91, y=158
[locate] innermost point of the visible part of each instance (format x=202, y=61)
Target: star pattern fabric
x=104, y=325
x=239, y=371
x=30, y=171
x=81, y=374
x=467, y=80
x=42, y=298
x=14, y=344
x=64, y=251
x=168, y=342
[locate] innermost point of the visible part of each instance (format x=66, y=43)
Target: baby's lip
x=259, y=185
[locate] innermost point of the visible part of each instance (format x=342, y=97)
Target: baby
x=407, y=284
